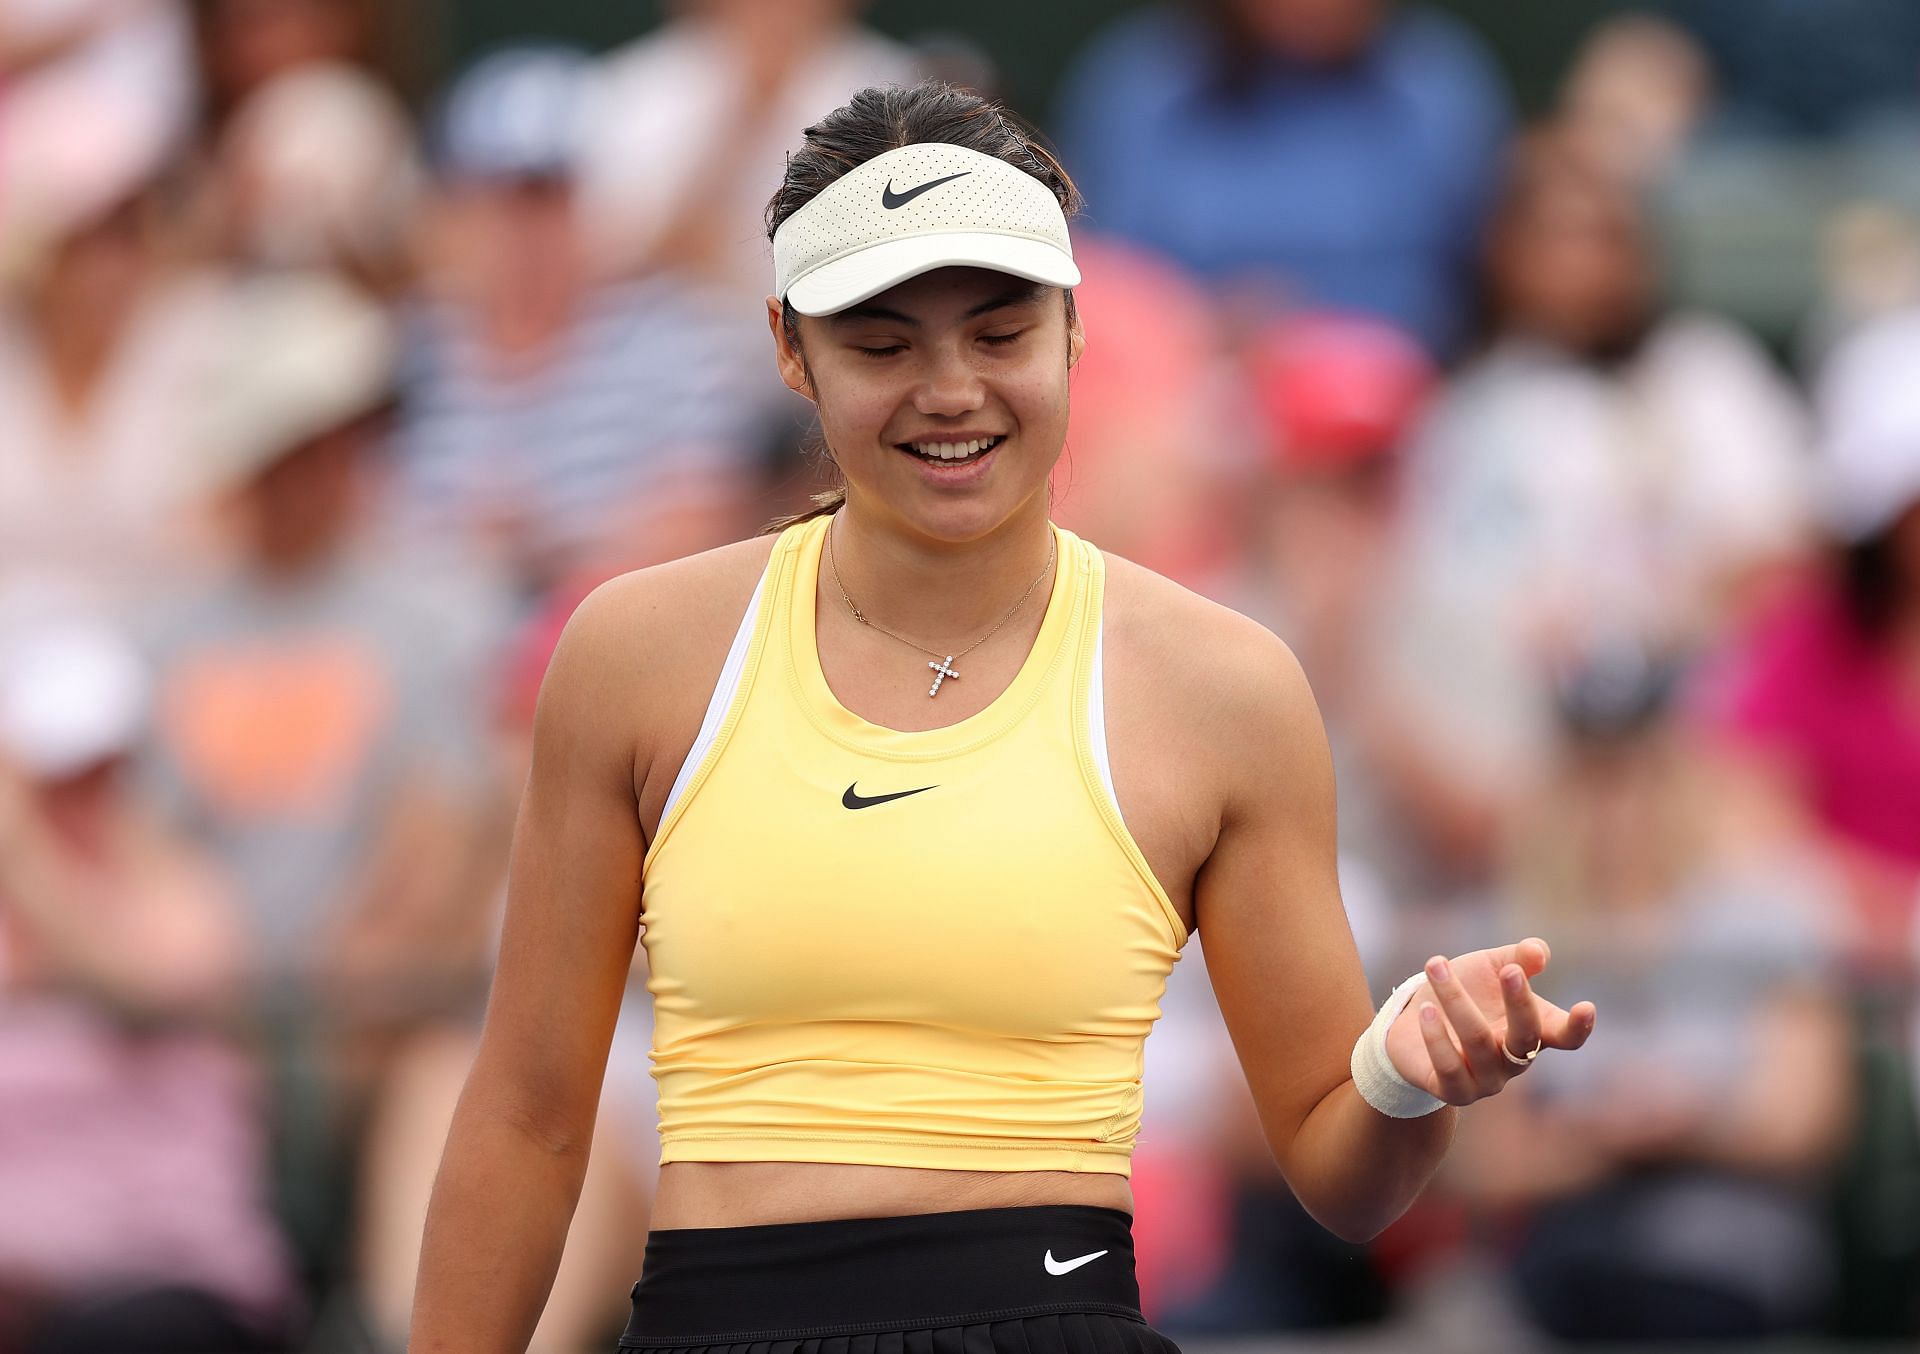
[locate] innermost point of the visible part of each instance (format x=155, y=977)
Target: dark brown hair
x=881, y=119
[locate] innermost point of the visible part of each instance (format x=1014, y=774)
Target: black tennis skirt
x=1052, y=1279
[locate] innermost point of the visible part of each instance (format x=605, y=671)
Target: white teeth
x=952, y=451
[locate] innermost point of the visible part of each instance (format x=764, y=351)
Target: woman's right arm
x=517, y=1150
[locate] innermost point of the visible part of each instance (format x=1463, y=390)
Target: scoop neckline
x=834, y=719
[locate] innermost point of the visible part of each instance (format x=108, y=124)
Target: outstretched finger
x=1577, y=1028
x=1479, y=1042
x=1532, y=955
x=1563, y=1029
x=1454, y=1083
x=1523, y=1033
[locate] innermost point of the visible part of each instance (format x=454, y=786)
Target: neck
x=937, y=592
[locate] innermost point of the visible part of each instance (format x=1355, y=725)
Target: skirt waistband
x=715, y=1285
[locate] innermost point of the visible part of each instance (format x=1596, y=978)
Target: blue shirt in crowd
x=1362, y=186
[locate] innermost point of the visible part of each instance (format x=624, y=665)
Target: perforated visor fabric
x=914, y=209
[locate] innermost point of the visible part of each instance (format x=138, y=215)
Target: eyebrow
x=1025, y=293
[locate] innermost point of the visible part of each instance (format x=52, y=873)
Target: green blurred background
x=1533, y=38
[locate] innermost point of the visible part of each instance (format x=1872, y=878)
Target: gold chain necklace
x=942, y=669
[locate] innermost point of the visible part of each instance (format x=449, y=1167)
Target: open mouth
x=951, y=453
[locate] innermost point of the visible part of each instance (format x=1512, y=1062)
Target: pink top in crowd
x=1810, y=687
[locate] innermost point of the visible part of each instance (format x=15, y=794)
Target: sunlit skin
x=952, y=354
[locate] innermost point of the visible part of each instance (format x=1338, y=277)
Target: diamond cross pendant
x=944, y=669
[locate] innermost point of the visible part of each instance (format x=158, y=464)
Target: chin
x=960, y=512
x=956, y=523
x=958, y=519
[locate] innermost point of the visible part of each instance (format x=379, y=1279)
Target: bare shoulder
x=1212, y=663
x=631, y=614
x=640, y=654
x=1201, y=687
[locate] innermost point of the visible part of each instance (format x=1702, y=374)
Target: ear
x=1076, y=341
x=793, y=370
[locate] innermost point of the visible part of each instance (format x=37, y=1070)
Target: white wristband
x=1374, y=1075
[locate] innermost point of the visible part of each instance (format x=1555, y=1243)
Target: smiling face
x=944, y=399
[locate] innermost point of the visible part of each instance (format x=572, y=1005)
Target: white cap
x=324, y=161
x=73, y=693
x=1870, y=408
x=303, y=354
x=520, y=113
x=909, y=211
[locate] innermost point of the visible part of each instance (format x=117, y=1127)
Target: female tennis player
x=918, y=800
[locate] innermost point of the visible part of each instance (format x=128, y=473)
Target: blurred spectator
x=1812, y=132
x=1671, y=1181
x=1823, y=691
x=1638, y=89
x=1335, y=398
x=318, y=719
x=92, y=87
x=132, y=1147
x=1603, y=468
x=1323, y=153
x=313, y=165
x=691, y=137
x=1870, y=271
x=318, y=728
x=98, y=338
x=954, y=58
x=697, y=118
x=415, y=1100
x=1155, y=456
x=549, y=412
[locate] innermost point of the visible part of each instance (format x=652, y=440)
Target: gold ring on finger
x=1516, y=1059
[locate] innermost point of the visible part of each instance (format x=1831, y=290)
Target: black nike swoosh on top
x=855, y=801
x=890, y=199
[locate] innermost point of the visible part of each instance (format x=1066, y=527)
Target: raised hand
x=1476, y=1022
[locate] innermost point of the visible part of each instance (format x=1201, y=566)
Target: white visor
x=909, y=211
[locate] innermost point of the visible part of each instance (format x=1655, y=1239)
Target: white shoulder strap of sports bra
x=723, y=693
x=1097, y=715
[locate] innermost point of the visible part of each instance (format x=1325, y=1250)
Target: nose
x=950, y=385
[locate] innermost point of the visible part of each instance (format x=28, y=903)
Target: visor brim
x=856, y=277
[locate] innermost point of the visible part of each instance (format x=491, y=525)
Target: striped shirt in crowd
x=643, y=395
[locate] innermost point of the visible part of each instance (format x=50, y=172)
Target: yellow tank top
x=936, y=948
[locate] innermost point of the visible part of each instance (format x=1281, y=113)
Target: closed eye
x=888, y=351
x=1001, y=340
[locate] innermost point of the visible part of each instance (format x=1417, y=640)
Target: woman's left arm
x=1288, y=977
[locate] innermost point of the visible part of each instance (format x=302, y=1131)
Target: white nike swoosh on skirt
x=1068, y=1266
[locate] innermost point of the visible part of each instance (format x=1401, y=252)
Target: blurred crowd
x=1578, y=458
